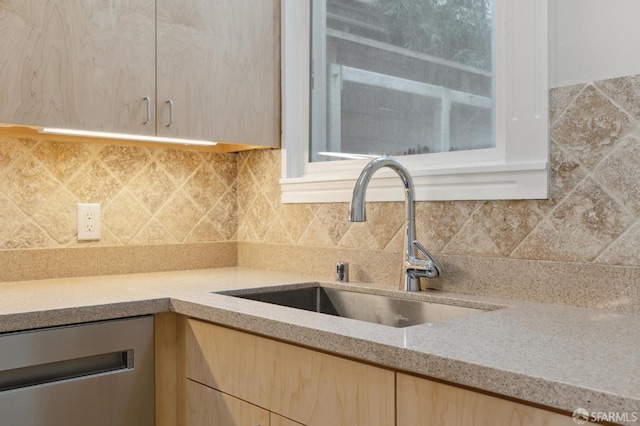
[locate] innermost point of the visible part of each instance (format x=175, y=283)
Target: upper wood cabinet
x=219, y=63
x=89, y=65
x=77, y=64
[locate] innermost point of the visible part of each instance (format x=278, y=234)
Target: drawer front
x=307, y=386
x=423, y=402
x=277, y=420
x=208, y=407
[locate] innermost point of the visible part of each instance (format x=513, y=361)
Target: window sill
x=475, y=182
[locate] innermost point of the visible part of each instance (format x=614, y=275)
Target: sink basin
x=374, y=308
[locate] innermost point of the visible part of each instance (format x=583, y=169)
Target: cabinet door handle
x=147, y=101
x=170, y=102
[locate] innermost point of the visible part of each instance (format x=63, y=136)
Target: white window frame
x=517, y=168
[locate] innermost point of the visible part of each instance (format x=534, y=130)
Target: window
x=469, y=121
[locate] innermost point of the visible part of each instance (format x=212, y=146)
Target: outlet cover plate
x=88, y=221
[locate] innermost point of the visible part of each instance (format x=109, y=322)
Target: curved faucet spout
x=414, y=268
x=357, y=212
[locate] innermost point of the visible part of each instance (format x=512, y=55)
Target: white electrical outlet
x=88, y=221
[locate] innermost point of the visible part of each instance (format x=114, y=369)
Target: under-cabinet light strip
x=86, y=133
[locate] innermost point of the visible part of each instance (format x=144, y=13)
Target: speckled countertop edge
x=558, y=356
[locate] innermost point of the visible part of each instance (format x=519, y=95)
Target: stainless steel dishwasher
x=98, y=374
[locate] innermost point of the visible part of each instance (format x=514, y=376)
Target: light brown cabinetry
x=219, y=63
x=422, y=402
x=77, y=64
x=209, y=407
x=204, y=371
x=306, y=386
x=277, y=420
x=114, y=66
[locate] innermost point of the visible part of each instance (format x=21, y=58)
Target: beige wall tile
x=315, y=235
x=204, y=187
x=124, y=162
x=152, y=186
x=620, y=173
x=383, y=222
x=560, y=98
x=10, y=150
x=277, y=234
x=63, y=160
x=179, y=164
x=580, y=228
x=28, y=184
x=11, y=217
x=125, y=216
x=224, y=165
x=359, y=235
x=29, y=236
x=624, y=250
x=94, y=184
x=179, y=215
x=154, y=233
x=334, y=219
x=58, y=216
x=565, y=173
x=295, y=218
x=590, y=126
x=625, y=91
x=438, y=222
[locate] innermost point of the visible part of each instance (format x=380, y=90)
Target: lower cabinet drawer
x=424, y=402
x=307, y=386
x=208, y=407
x=277, y=420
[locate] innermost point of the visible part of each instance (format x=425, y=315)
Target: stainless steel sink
x=379, y=309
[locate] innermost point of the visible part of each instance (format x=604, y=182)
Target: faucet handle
x=433, y=264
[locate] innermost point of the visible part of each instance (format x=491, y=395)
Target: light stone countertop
x=558, y=356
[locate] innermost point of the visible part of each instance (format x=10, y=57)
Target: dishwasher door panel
x=98, y=374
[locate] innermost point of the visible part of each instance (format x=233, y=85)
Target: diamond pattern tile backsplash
x=593, y=214
x=164, y=196
x=148, y=196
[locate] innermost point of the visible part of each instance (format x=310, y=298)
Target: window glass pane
x=401, y=77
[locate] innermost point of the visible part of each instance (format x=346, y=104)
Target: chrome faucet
x=414, y=268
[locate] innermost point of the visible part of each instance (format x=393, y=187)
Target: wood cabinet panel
x=89, y=65
x=166, y=368
x=218, y=61
x=277, y=420
x=321, y=389
x=236, y=363
x=304, y=385
x=422, y=402
x=208, y=407
x=77, y=64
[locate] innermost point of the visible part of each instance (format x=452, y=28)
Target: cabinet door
x=277, y=420
x=219, y=63
x=304, y=385
x=77, y=64
x=208, y=407
x=422, y=402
